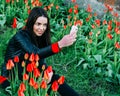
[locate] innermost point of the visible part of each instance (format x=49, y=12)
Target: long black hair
x=45, y=39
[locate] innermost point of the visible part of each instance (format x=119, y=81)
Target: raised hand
x=74, y=29
x=69, y=39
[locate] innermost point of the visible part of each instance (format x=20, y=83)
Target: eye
x=45, y=25
x=37, y=23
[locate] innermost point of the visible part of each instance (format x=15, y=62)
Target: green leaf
x=8, y=89
x=118, y=77
x=85, y=65
x=110, y=71
x=80, y=62
x=98, y=58
x=2, y=19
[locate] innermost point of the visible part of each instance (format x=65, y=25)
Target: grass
x=84, y=81
x=5, y=35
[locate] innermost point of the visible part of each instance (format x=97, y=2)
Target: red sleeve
x=2, y=79
x=55, y=47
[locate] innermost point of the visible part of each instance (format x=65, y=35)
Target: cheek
x=34, y=28
x=45, y=27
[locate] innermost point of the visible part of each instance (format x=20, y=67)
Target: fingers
x=74, y=29
x=73, y=35
x=72, y=39
x=67, y=40
x=50, y=77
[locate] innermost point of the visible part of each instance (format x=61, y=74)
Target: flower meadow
x=97, y=47
x=34, y=82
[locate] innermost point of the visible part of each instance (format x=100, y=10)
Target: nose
x=41, y=27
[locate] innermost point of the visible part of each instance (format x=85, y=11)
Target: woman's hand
x=50, y=77
x=69, y=39
x=74, y=29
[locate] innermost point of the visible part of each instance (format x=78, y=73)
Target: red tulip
x=73, y=1
x=49, y=68
x=70, y=10
x=7, y=1
x=14, y=25
x=32, y=82
x=36, y=72
x=20, y=93
x=55, y=86
x=25, y=76
x=61, y=80
x=46, y=76
x=37, y=57
x=26, y=56
x=117, y=45
x=36, y=86
x=32, y=57
x=16, y=59
x=43, y=84
x=22, y=87
x=9, y=65
x=109, y=36
x=89, y=9
x=29, y=67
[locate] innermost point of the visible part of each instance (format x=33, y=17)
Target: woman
x=35, y=38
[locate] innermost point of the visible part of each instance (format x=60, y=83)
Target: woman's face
x=40, y=26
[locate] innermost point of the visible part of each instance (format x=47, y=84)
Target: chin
x=39, y=34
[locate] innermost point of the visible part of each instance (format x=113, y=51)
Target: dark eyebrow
x=45, y=24
x=40, y=23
